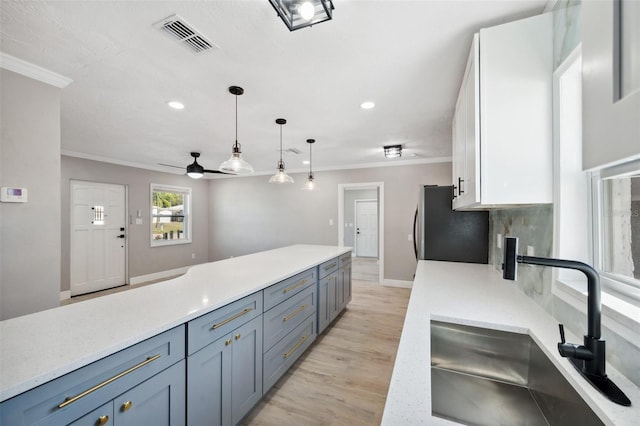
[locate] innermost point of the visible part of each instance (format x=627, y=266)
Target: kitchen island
x=476, y=295
x=38, y=348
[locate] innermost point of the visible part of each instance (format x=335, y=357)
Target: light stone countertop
x=40, y=347
x=477, y=295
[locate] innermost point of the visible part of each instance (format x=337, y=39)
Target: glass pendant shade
x=309, y=184
x=281, y=175
x=298, y=14
x=235, y=164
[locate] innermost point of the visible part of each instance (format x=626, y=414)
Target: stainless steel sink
x=481, y=376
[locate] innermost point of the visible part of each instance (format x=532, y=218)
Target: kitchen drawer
x=345, y=259
x=84, y=390
x=287, y=288
x=328, y=267
x=212, y=326
x=279, y=321
x=282, y=356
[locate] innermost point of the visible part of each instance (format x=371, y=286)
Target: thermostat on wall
x=13, y=195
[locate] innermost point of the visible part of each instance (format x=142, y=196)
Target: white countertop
x=477, y=295
x=39, y=347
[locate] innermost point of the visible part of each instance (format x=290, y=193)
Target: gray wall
x=250, y=215
x=350, y=196
x=143, y=259
x=30, y=148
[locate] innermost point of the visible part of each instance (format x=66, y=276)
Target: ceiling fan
x=195, y=170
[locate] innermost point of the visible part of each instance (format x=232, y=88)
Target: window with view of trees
x=170, y=215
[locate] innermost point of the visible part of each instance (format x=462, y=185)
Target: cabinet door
x=332, y=300
x=469, y=186
x=346, y=286
x=98, y=417
x=246, y=368
x=158, y=401
x=209, y=384
x=611, y=82
x=324, y=314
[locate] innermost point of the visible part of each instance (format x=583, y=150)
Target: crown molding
x=30, y=70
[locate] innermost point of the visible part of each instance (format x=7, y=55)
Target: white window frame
x=620, y=302
x=187, y=194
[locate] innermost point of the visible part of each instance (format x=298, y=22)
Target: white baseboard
x=158, y=275
x=64, y=295
x=397, y=283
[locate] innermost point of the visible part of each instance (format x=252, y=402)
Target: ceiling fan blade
x=171, y=165
x=218, y=171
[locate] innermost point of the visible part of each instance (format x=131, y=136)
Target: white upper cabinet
x=502, y=127
x=611, y=82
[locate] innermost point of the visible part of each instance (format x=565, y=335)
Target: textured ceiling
x=406, y=56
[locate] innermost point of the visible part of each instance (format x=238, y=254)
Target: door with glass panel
x=98, y=238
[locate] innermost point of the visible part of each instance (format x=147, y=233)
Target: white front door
x=98, y=222
x=366, y=228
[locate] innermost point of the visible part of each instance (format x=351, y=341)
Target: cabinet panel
x=209, y=384
x=159, y=401
x=98, y=417
x=212, y=326
x=279, y=321
x=324, y=311
x=328, y=267
x=89, y=387
x=287, y=288
x=282, y=356
x=346, y=284
x=246, y=369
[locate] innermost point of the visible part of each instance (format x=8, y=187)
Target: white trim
x=397, y=283
x=380, y=187
x=158, y=275
x=30, y=70
x=64, y=295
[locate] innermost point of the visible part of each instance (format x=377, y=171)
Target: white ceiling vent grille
x=176, y=27
x=293, y=151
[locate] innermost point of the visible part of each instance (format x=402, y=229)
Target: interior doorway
x=98, y=230
x=361, y=226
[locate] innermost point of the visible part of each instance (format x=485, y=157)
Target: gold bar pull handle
x=333, y=265
x=228, y=320
x=294, y=313
x=296, y=285
x=293, y=349
x=71, y=400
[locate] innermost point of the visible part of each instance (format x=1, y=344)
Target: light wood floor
x=344, y=376
x=365, y=268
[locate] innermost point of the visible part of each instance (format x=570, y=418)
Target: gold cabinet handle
x=237, y=336
x=294, y=313
x=71, y=400
x=296, y=285
x=126, y=406
x=227, y=342
x=292, y=350
x=102, y=420
x=333, y=265
x=228, y=320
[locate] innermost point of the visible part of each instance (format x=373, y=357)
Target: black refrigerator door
x=452, y=235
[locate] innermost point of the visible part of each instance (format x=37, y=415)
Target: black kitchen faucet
x=589, y=358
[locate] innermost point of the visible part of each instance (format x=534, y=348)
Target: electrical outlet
x=409, y=237
x=330, y=222
x=193, y=255
x=531, y=251
x=499, y=240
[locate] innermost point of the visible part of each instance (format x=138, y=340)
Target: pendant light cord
x=281, y=143
x=310, y=160
x=236, y=145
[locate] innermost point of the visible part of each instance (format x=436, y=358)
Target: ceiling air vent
x=185, y=34
x=293, y=151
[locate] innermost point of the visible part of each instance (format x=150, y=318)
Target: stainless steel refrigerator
x=440, y=233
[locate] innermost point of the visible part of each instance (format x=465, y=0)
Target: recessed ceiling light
x=175, y=104
x=367, y=105
x=305, y=162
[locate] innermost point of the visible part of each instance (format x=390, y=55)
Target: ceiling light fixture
x=310, y=184
x=281, y=175
x=298, y=14
x=367, y=105
x=175, y=104
x=195, y=170
x=236, y=164
x=393, y=151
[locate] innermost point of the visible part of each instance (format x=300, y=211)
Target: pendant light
x=281, y=175
x=236, y=164
x=310, y=184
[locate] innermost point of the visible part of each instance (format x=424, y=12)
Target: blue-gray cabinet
x=344, y=280
x=334, y=289
x=144, y=381
x=224, y=378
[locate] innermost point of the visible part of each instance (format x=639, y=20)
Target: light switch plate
x=13, y=195
x=499, y=241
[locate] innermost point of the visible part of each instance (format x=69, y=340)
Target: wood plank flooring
x=344, y=376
